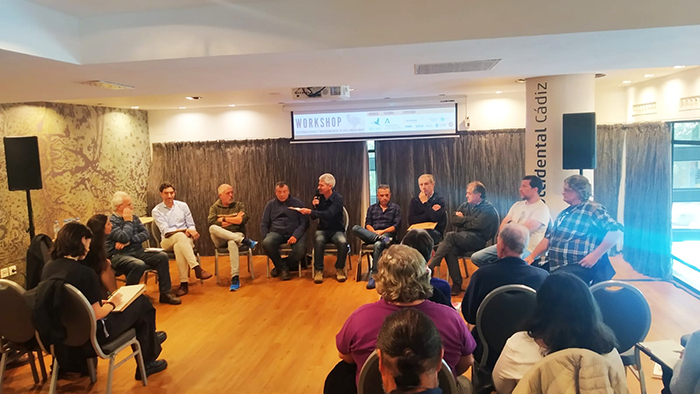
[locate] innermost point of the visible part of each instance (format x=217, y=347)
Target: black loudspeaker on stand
x=23, y=169
x=579, y=141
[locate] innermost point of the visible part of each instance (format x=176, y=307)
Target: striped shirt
x=577, y=231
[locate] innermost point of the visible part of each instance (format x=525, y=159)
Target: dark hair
x=281, y=184
x=69, y=240
x=535, y=181
x=164, y=186
x=567, y=316
x=97, y=256
x=479, y=188
x=410, y=345
x=421, y=241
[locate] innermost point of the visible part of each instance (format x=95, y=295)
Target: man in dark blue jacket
x=279, y=225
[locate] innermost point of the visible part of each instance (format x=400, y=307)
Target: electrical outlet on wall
x=13, y=269
x=4, y=273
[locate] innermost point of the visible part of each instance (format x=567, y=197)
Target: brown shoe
x=340, y=275
x=199, y=273
x=167, y=298
x=318, y=277
x=182, y=290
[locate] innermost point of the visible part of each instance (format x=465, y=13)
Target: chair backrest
x=15, y=314
x=371, y=379
x=624, y=310
x=156, y=236
x=78, y=317
x=502, y=313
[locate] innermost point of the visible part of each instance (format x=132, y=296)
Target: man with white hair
x=227, y=219
x=328, y=209
x=127, y=254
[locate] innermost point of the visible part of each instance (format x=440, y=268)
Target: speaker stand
x=31, y=229
x=580, y=172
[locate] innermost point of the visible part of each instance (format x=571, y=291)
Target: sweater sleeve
x=265, y=222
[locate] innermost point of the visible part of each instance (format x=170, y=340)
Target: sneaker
x=167, y=298
x=318, y=277
x=340, y=275
x=199, y=273
x=161, y=336
x=285, y=275
x=184, y=289
x=274, y=273
x=456, y=289
x=249, y=243
x=235, y=284
x=371, y=284
x=151, y=368
x=385, y=240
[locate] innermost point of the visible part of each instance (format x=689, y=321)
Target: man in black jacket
x=428, y=207
x=475, y=222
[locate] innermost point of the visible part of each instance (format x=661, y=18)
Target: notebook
x=424, y=226
x=128, y=295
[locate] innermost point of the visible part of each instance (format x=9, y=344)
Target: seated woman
x=101, y=226
x=403, y=282
x=566, y=316
x=410, y=353
x=72, y=245
x=421, y=241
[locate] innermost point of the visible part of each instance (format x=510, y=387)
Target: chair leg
x=141, y=364
x=110, y=374
x=267, y=263
x=199, y=261
x=40, y=356
x=54, y=375
x=250, y=264
x=92, y=369
x=3, y=362
x=640, y=370
x=313, y=265
x=32, y=365
x=216, y=266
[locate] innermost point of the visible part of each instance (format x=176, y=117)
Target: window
x=372, y=172
x=685, y=211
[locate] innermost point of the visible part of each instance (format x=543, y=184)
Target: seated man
x=531, y=212
x=410, y=353
x=428, y=207
x=227, y=219
x=178, y=233
x=381, y=224
x=328, y=209
x=279, y=225
x=127, y=254
x=421, y=241
x=475, y=222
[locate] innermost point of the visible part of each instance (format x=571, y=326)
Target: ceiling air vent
x=455, y=67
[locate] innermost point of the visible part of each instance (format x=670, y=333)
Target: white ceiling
x=375, y=71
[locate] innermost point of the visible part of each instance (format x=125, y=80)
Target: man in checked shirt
x=581, y=236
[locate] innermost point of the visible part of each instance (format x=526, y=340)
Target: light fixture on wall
x=183, y=107
x=626, y=81
x=678, y=66
x=648, y=75
x=520, y=80
x=499, y=91
x=232, y=105
x=135, y=107
x=193, y=97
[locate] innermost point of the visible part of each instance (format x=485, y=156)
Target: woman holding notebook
x=72, y=245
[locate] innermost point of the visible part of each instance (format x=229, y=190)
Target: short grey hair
x=383, y=186
x=118, y=199
x=580, y=185
x=429, y=176
x=328, y=179
x=515, y=237
x=222, y=187
x=402, y=276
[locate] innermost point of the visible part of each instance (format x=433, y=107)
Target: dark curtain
x=608, y=173
x=253, y=167
x=647, y=245
x=496, y=158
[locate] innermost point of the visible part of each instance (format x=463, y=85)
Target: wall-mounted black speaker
x=22, y=162
x=579, y=141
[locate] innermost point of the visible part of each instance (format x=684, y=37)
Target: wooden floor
x=279, y=337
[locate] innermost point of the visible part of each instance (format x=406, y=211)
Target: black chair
x=78, y=318
x=332, y=249
x=16, y=328
x=371, y=379
x=627, y=313
x=501, y=314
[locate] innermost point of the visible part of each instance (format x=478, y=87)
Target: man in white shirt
x=531, y=212
x=178, y=233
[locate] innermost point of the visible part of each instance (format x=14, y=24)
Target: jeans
x=221, y=237
x=488, y=255
x=134, y=264
x=141, y=316
x=454, y=244
x=374, y=239
x=271, y=245
x=335, y=237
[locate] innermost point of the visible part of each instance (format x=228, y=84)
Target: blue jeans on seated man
x=271, y=245
x=488, y=255
x=374, y=239
x=335, y=237
x=134, y=264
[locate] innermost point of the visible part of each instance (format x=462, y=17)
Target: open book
x=128, y=295
x=424, y=226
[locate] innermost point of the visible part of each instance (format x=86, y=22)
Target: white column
x=548, y=98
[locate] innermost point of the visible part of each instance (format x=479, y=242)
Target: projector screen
x=397, y=122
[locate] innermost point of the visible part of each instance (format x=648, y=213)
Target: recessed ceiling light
x=521, y=80
x=232, y=105
x=183, y=107
x=626, y=81
x=648, y=75
x=135, y=107
x=499, y=91
x=678, y=66
x=193, y=97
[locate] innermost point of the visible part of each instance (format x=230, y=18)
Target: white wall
x=496, y=111
x=666, y=92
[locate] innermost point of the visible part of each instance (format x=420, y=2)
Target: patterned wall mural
x=87, y=153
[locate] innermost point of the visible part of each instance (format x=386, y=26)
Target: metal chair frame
x=448, y=383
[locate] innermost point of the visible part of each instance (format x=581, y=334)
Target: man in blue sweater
x=280, y=225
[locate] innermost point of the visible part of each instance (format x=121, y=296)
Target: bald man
x=227, y=219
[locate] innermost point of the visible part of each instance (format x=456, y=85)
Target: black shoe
x=371, y=284
x=161, y=336
x=167, y=298
x=285, y=275
x=182, y=290
x=274, y=273
x=456, y=289
x=151, y=368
